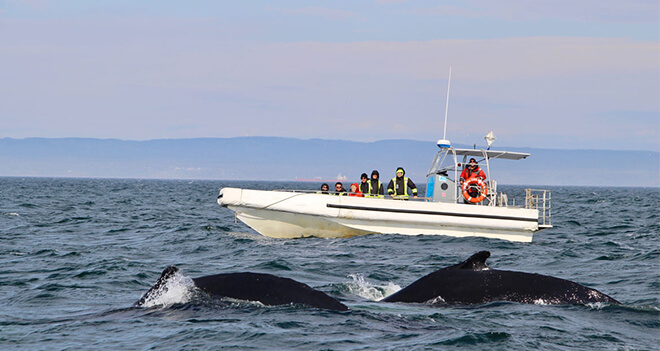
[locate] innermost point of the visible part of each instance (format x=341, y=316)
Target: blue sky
x=544, y=73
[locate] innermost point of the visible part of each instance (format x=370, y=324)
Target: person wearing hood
x=400, y=186
x=472, y=170
x=355, y=190
x=325, y=189
x=372, y=187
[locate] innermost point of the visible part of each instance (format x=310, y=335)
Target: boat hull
x=282, y=214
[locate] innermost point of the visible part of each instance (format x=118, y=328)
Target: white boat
x=296, y=214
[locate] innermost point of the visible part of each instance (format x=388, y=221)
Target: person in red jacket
x=472, y=170
x=355, y=190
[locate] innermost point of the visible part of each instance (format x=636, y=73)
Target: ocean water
x=76, y=254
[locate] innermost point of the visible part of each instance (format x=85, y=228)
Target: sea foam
x=177, y=289
x=360, y=287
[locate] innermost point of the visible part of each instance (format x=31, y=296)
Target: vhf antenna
x=444, y=143
x=444, y=135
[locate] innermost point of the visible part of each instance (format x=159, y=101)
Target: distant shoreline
x=313, y=160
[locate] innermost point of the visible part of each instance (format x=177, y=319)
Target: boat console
x=442, y=180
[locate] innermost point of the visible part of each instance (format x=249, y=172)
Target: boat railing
x=540, y=199
x=348, y=193
x=330, y=192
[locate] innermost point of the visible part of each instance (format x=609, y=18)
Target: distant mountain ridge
x=275, y=158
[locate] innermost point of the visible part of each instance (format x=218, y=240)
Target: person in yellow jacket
x=400, y=186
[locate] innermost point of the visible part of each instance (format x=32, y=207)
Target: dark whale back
x=472, y=282
x=267, y=289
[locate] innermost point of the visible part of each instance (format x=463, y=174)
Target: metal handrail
x=540, y=199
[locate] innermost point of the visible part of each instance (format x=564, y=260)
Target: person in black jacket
x=400, y=186
x=372, y=187
x=325, y=189
x=339, y=189
x=364, y=185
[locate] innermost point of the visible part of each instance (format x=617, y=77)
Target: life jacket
x=340, y=192
x=395, y=194
x=370, y=192
x=365, y=188
x=477, y=172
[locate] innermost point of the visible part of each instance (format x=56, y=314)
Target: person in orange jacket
x=472, y=170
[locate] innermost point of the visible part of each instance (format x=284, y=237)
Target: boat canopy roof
x=507, y=155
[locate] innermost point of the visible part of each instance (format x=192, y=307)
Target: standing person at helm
x=471, y=192
x=400, y=186
x=472, y=170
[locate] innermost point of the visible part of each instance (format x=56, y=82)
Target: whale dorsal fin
x=476, y=262
x=168, y=272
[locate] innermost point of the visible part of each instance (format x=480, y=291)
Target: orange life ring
x=481, y=184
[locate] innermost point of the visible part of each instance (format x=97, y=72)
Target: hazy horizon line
x=322, y=139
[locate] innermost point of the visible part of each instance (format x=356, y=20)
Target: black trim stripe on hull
x=380, y=209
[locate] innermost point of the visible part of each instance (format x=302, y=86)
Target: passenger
x=472, y=170
x=375, y=187
x=364, y=186
x=339, y=189
x=398, y=187
x=355, y=190
x=325, y=189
